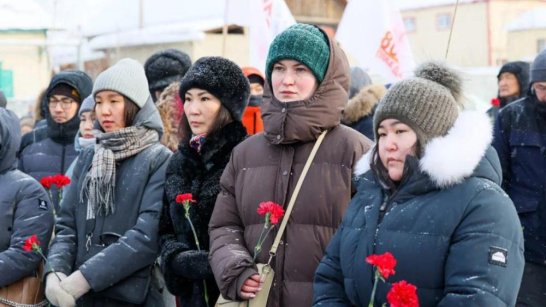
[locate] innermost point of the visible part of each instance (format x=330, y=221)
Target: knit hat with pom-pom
x=428, y=103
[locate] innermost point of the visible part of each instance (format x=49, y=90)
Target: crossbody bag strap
x=284, y=222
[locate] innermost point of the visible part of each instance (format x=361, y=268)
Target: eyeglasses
x=65, y=103
x=540, y=87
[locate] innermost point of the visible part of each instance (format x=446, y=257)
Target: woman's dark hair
x=222, y=119
x=381, y=171
x=131, y=110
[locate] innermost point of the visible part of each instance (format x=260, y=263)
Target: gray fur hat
x=127, y=78
x=88, y=104
x=428, y=102
x=223, y=79
x=538, y=68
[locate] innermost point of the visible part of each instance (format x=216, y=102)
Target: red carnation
x=385, y=263
x=60, y=181
x=46, y=182
x=403, y=294
x=274, y=210
x=180, y=198
x=495, y=102
x=31, y=244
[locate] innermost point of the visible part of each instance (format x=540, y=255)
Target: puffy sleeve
x=230, y=260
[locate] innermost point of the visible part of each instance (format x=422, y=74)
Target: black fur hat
x=223, y=79
x=165, y=67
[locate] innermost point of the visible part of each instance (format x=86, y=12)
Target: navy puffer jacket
x=453, y=231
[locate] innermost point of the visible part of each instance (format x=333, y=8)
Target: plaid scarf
x=99, y=183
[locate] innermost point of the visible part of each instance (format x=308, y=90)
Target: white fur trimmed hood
x=450, y=159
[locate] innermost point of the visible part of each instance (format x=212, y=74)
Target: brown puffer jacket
x=266, y=167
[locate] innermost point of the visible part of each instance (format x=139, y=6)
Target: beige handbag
x=265, y=271
x=26, y=292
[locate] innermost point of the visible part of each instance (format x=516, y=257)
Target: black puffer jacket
x=183, y=266
x=50, y=150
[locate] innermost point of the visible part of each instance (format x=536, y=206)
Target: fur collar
x=450, y=159
x=362, y=104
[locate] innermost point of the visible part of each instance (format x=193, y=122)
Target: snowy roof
x=533, y=19
x=126, y=15
x=404, y=5
x=23, y=15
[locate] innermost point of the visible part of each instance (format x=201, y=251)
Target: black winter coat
x=520, y=140
x=453, y=231
x=186, y=269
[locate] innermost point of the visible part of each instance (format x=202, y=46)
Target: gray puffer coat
x=124, y=244
x=25, y=208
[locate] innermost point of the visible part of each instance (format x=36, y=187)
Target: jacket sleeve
x=63, y=250
x=485, y=261
x=328, y=288
x=138, y=247
x=229, y=258
x=502, y=146
x=169, y=245
x=33, y=214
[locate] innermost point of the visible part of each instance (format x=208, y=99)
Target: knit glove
x=76, y=285
x=56, y=295
x=192, y=264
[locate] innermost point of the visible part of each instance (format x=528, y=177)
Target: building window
x=443, y=21
x=409, y=24
x=541, y=44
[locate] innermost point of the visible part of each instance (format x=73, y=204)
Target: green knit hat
x=428, y=103
x=303, y=43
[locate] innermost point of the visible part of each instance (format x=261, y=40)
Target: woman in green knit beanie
x=306, y=88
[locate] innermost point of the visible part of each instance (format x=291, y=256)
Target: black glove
x=192, y=265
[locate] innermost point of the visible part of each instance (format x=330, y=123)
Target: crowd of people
x=173, y=164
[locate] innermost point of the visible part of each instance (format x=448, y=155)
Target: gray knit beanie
x=127, y=78
x=428, y=102
x=88, y=104
x=538, y=68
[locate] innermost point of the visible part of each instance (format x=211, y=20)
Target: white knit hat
x=126, y=77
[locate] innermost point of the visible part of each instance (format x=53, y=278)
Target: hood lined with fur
x=449, y=159
x=362, y=104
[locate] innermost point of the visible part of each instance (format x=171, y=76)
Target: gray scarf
x=99, y=183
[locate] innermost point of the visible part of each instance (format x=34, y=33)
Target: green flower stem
x=39, y=250
x=206, y=292
x=372, y=298
x=187, y=215
x=265, y=230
